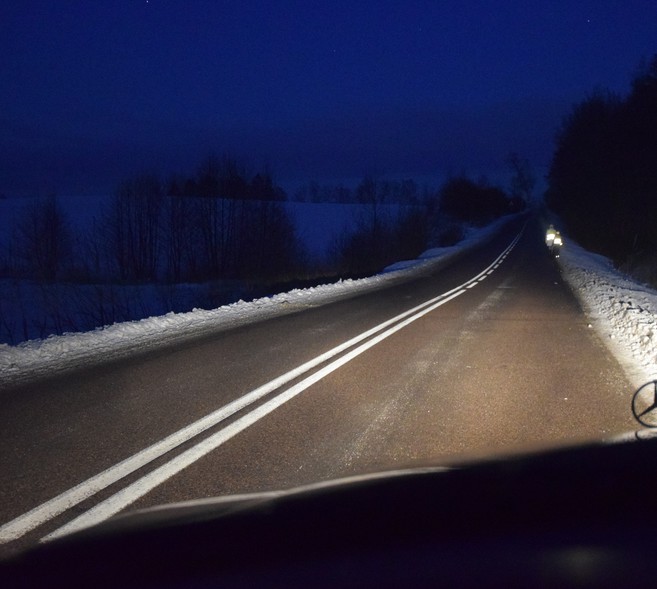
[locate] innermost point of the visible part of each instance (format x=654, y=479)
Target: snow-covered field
x=31, y=310
x=55, y=354
x=622, y=311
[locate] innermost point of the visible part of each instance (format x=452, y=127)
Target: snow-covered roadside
x=621, y=310
x=56, y=354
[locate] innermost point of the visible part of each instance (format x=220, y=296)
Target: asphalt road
x=500, y=361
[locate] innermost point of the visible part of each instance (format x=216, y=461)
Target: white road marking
x=139, y=488
x=46, y=511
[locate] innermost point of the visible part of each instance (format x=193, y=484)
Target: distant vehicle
x=554, y=241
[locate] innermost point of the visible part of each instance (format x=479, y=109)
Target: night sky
x=97, y=90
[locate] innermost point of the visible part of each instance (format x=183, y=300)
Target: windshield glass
x=254, y=246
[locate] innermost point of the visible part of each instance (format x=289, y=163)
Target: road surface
x=491, y=355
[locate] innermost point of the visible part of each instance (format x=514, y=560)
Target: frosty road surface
x=489, y=354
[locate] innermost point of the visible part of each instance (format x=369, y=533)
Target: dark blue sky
x=93, y=90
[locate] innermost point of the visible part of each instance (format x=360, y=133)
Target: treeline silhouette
x=222, y=229
x=220, y=225
x=405, y=192
x=384, y=234
x=603, y=175
x=476, y=203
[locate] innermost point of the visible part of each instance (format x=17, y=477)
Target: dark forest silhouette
x=603, y=176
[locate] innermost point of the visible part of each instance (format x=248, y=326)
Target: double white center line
x=129, y=494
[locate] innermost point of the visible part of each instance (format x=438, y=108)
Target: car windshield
x=252, y=246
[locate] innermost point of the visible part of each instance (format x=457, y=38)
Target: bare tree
x=43, y=240
x=134, y=225
x=523, y=180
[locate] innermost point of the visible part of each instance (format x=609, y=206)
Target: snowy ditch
x=621, y=310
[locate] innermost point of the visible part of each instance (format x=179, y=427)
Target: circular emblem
x=644, y=404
